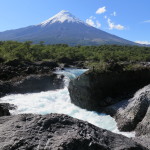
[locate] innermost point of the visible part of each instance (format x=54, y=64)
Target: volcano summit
x=63, y=28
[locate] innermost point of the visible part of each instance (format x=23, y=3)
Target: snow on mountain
x=61, y=17
x=63, y=28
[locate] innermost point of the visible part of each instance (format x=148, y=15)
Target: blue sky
x=129, y=19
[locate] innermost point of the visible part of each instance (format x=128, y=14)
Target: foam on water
x=58, y=101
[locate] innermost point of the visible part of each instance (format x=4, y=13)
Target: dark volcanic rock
x=58, y=132
x=95, y=90
x=5, y=88
x=18, y=76
x=14, y=63
x=37, y=83
x=4, y=109
x=32, y=83
x=2, y=60
x=50, y=64
x=16, y=68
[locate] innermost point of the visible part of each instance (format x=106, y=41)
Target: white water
x=58, y=101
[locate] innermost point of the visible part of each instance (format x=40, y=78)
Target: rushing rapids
x=58, y=101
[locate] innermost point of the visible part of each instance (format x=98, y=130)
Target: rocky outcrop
x=58, y=132
x=4, y=110
x=16, y=68
x=128, y=117
x=5, y=107
x=95, y=90
x=143, y=130
x=32, y=83
x=134, y=114
x=18, y=76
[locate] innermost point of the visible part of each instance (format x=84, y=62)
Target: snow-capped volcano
x=63, y=28
x=61, y=17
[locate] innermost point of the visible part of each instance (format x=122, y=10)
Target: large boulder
x=58, y=132
x=95, y=90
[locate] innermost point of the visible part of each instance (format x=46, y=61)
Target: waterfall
x=58, y=101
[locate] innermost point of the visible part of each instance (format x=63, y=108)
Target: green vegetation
x=91, y=55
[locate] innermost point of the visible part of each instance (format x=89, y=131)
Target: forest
x=10, y=50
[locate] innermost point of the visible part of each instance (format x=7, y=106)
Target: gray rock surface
x=134, y=111
x=58, y=132
x=143, y=130
x=134, y=114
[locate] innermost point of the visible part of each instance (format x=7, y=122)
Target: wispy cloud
x=112, y=25
x=101, y=10
x=105, y=17
x=114, y=14
x=98, y=24
x=93, y=22
x=146, y=21
x=143, y=42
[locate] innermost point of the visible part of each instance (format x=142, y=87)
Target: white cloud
x=114, y=26
x=114, y=14
x=143, y=42
x=92, y=17
x=93, y=22
x=98, y=25
x=101, y=10
x=90, y=22
x=146, y=21
x=105, y=17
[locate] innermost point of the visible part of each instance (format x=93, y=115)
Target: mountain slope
x=63, y=28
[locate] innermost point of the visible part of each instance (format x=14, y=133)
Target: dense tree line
x=10, y=50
